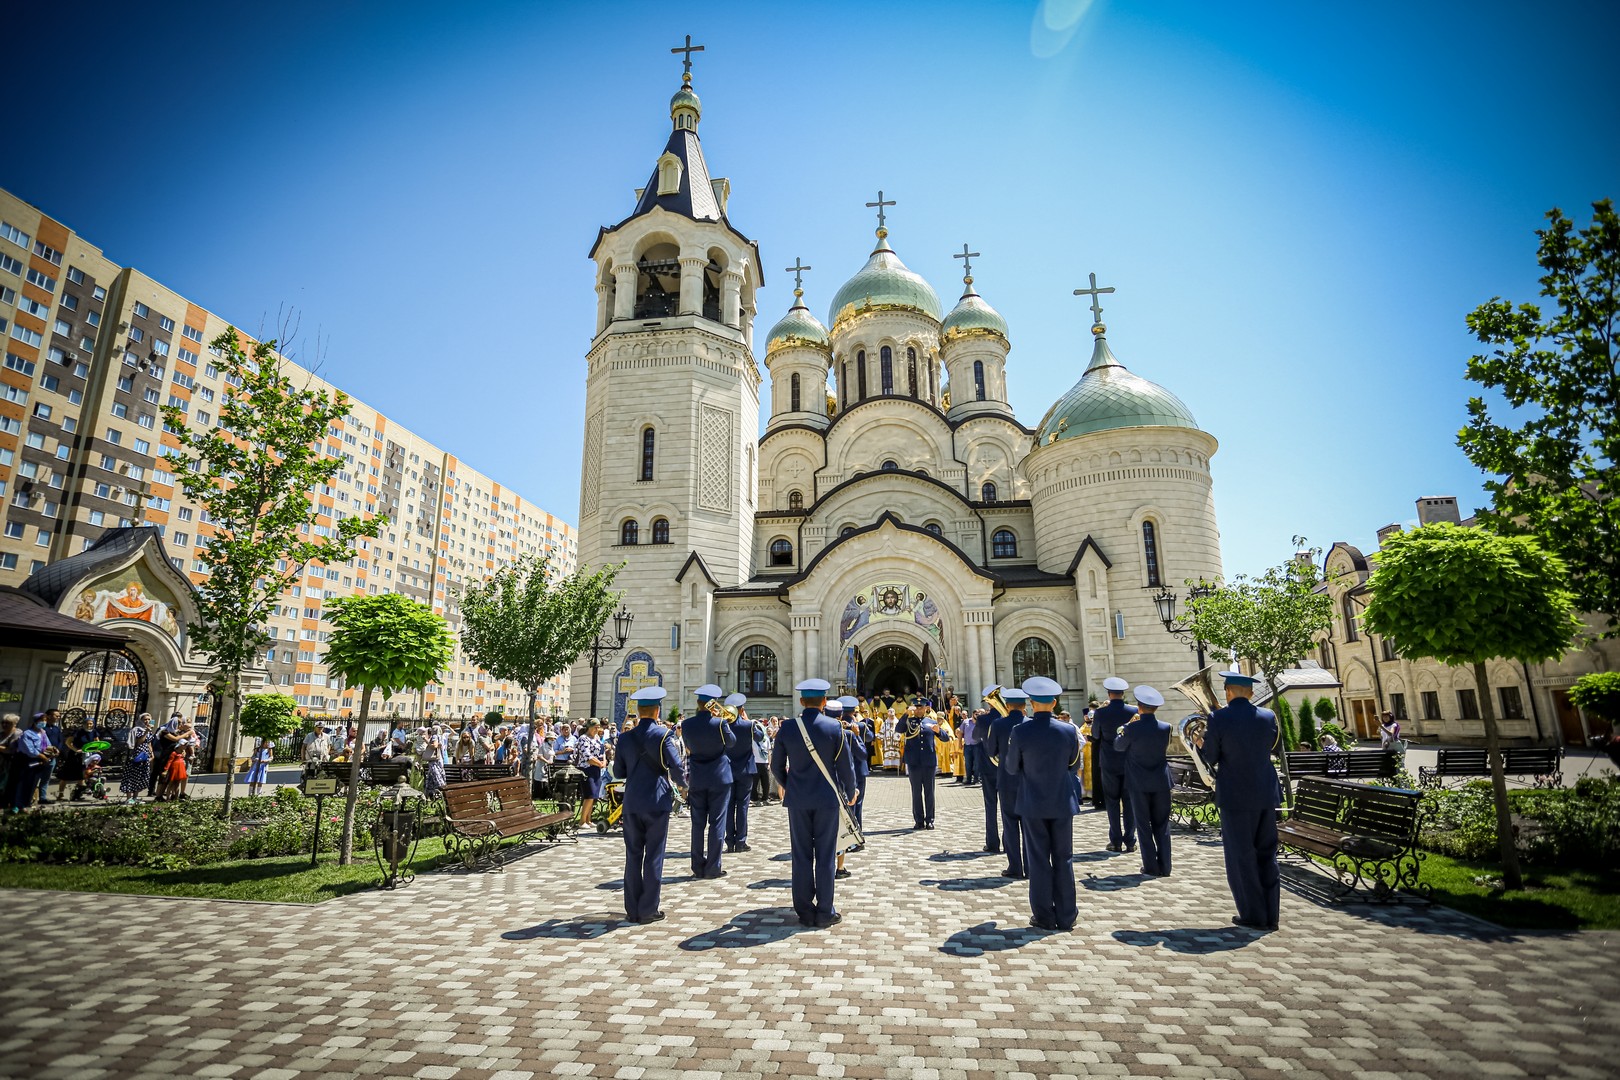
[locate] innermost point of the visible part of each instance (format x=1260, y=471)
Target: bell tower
x=668, y=479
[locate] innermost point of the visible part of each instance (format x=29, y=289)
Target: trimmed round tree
x=1598, y=694
x=269, y=716
x=385, y=643
x=1467, y=596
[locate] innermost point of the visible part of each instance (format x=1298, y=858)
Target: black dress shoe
x=1065, y=929
x=841, y=873
x=831, y=920
x=992, y=849
x=1008, y=873
x=717, y=873
x=928, y=825
x=657, y=916
x=1251, y=925
x=1041, y=924
x=1113, y=847
x=918, y=826
x=811, y=923
x=744, y=847
x=1129, y=848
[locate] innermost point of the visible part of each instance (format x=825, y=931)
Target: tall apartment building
x=94, y=349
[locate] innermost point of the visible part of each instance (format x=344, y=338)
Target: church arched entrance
x=104, y=691
x=892, y=670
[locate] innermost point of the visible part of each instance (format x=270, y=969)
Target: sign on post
x=321, y=785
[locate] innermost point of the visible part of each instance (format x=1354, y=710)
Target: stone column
x=692, y=284
x=812, y=652
x=987, y=654
x=731, y=299
x=797, y=675
x=970, y=672
x=624, y=290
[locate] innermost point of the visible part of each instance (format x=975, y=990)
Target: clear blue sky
x=1297, y=202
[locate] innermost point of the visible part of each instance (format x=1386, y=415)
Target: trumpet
x=720, y=709
x=993, y=699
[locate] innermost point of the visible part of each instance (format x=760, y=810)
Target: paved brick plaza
x=932, y=974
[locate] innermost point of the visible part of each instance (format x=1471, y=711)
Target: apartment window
x=75, y=275
x=42, y=410
x=141, y=310
x=1397, y=705
x=1468, y=704
x=14, y=529
x=193, y=333
x=17, y=363
x=153, y=396
x=120, y=410
x=1512, y=704
x=33, y=307
x=48, y=253
x=10, y=265
x=43, y=538
x=142, y=446
x=166, y=323
x=70, y=301
x=35, y=277
x=8, y=561
x=161, y=348
x=14, y=234
x=93, y=318
x=114, y=436
x=99, y=293
x=97, y=517
x=137, y=334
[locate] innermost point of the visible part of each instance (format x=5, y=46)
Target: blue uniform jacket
x=1237, y=746
x=1142, y=745
x=741, y=751
x=1105, y=725
x=796, y=772
x=1044, y=752
x=981, y=724
x=707, y=739
x=648, y=762
x=919, y=743
x=996, y=742
x=858, y=737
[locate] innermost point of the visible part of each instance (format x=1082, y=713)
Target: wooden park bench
x=1344, y=764
x=1192, y=803
x=386, y=773
x=1366, y=833
x=1543, y=764
x=460, y=772
x=479, y=814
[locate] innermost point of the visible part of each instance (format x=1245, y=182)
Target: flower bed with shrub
x=1576, y=827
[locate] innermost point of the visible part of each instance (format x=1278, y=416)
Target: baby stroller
x=91, y=782
x=609, y=809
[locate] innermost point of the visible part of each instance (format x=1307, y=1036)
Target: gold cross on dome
x=686, y=61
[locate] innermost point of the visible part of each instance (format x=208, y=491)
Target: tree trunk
x=231, y=729
x=346, y=844
x=1282, y=742
x=528, y=744
x=1493, y=752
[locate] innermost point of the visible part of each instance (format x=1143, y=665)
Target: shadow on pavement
x=1096, y=856
x=961, y=856
x=1114, y=882
x=582, y=928
x=1190, y=940
x=760, y=926
x=771, y=883
x=987, y=937
x=966, y=884
x=616, y=885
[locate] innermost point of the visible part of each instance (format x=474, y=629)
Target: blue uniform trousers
x=922, y=793
x=860, y=800
x=970, y=763
x=992, y=808
x=1152, y=812
x=708, y=810
x=737, y=812
x=1012, y=839
x=813, y=836
x=1250, y=840
x=644, y=837
x=1049, y=858
x=1118, y=804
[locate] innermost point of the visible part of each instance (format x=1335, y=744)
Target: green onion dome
x=972, y=316
x=884, y=284
x=797, y=328
x=685, y=97
x=1108, y=397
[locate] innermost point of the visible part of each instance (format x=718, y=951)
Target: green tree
x=385, y=643
x=522, y=626
x=1325, y=712
x=1307, y=723
x=253, y=474
x=1553, y=462
x=1285, y=723
x=269, y=716
x=1598, y=694
x=1271, y=621
x=1467, y=596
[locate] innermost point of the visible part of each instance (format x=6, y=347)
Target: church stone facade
x=897, y=527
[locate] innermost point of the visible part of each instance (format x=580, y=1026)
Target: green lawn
x=283, y=879
x=1551, y=899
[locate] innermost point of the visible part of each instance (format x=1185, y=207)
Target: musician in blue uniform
x=1237, y=747
x=743, y=769
x=649, y=763
x=988, y=773
x=920, y=737
x=1007, y=782
x=1142, y=745
x=858, y=735
x=1042, y=754
x=812, y=770
x=708, y=781
x=1105, y=725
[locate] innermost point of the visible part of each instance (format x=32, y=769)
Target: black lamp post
x=604, y=650
x=1165, y=601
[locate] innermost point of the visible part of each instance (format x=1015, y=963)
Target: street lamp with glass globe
x=605, y=650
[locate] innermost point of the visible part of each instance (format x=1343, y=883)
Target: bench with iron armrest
x=479, y=814
x=1543, y=764
x=1192, y=804
x=1368, y=834
x=1344, y=764
x=460, y=772
x=385, y=773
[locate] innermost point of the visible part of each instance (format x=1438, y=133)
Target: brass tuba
x=993, y=699
x=1199, y=688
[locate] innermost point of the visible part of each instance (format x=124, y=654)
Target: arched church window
x=648, y=439
x=886, y=366
x=793, y=393
x=843, y=387
x=1004, y=545
x=911, y=372
x=988, y=492
x=630, y=532
x=795, y=500
x=978, y=380
x=756, y=670
x=933, y=385
x=1350, y=619
x=781, y=553
x=860, y=373
x=934, y=527
x=1032, y=657
x=660, y=531
x=890, y=465
x=1150, y=550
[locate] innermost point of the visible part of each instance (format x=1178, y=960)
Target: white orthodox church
x=897, y=528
